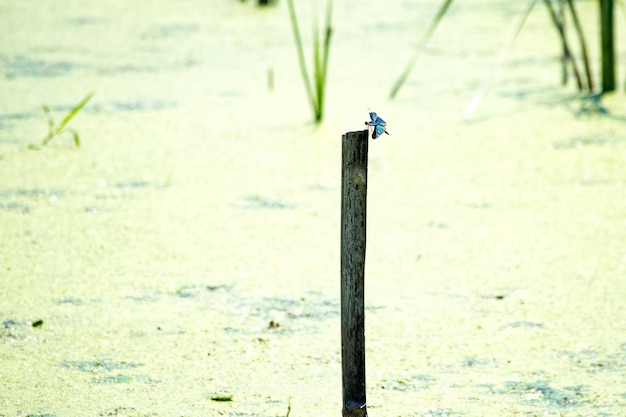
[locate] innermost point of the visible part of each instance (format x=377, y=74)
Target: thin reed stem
x=504, y=53
x=300, y=50
x=420, y=47
x=566, y=48
x=583, y=44
x=316, y=91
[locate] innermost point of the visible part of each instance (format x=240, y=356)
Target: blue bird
x=378, y=124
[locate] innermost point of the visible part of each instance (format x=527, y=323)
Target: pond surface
x=185, y=259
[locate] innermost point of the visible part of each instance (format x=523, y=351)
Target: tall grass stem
x=504, y=53
x=566, y=48
x=315, y=91
x=583, y=44
x=420, y=47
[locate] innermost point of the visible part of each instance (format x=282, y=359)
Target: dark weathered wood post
x=353, y=222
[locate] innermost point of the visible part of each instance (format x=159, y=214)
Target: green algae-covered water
x=185, y=259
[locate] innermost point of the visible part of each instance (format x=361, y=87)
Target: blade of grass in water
x=583, y=44
x=567, y=49
x=327, y=35
x=76, y=137
x=316, y=90
x=493, y=76
x=320, y=58
x=60, y=128
x=46, y=110
x=317, y=71
x=431, y=29
x=300, y=50
x=74, y=111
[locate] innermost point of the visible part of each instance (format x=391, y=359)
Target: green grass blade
x=48, y=138
x=493, y=76
x=317, y=72
x=60, y=128
x=402, y=78
x=566, y=48
x=300, y=50
x=73, y=112
x=321, y=53
x=46, y=111
x=326, y=48
x=583, y=44
x=429, y=32
x=433, y=25
x=75, y=136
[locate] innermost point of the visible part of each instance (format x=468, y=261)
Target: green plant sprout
x=60, y=128
x=316, y=92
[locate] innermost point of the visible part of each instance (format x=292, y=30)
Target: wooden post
x=353, y=222
x=608, y=49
